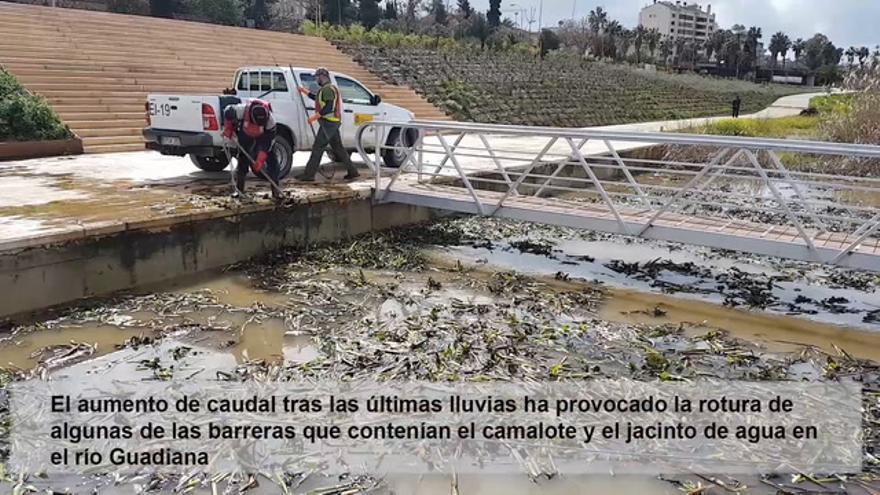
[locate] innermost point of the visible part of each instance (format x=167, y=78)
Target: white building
x=679, y=20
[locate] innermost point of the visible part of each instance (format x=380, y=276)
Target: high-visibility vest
x=322, y=98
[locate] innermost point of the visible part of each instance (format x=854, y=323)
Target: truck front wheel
x=399, y=140
x=209, y=163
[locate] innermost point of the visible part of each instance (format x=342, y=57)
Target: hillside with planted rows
x=563, y=91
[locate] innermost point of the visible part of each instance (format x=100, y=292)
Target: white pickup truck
x=191, y=124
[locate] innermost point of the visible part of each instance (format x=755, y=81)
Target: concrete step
x=100, y=116
x=114, y=148
x=103, y=141
x=48, y=88
x=88, y=100
x=69, y=109
x=109, y=132
x=106, y=124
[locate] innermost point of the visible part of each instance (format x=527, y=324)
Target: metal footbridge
x=805, y=200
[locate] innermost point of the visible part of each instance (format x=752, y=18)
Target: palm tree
x=614, y=31
x=784, y=50
x=678, y=44
x=665, y=49
x=625, y=40
x=851, y=53
x=597, y=20
x=863, y=53
x=798, y=48
x=779, y=43
x=716, y=44
x=639, y=36
x=653, y=41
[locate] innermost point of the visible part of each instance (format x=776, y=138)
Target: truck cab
x=185, y=124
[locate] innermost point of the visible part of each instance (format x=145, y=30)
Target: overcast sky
x=846, y=22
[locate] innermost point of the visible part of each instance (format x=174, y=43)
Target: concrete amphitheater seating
x=96, y=68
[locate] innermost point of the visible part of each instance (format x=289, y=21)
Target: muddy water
x=19, y=352
x=775, y=332
x=239, y=335
x=588, y=260
x=229, y=335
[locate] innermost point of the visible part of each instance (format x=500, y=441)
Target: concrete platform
x=91, y=225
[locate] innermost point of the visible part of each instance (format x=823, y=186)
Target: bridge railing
x=817, y=201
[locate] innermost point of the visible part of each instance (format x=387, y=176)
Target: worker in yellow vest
x=328, y=114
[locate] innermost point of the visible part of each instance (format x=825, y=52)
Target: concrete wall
x=37, y=278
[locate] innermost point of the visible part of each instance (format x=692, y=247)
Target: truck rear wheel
x=284, y=153
x=209, y=163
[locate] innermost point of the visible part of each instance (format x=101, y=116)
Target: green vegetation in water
x=26, y=117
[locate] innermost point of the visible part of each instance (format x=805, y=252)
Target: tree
x=575, y=34
x=410, y=15
x=369, y=13
x=480, y=29
x=339, y=11
x=816, y=51
x=750, y=56
x=613, y=31
x=863, y=53
x=779, y=43
x=493, y=16
x=465, y=9
x=162, y=8
x=798, y=48
x=665, y=50
x=653, y=40
x=678, y=45
x=390, y=12
x=716, y=44
x=638, y=38
x=258, y=12
x=549, y=41
x=598, y=20
x=437, y=10
x=851, y=55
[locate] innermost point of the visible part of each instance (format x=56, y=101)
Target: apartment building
x=679, y=20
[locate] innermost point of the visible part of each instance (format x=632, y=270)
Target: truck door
x=358, y=106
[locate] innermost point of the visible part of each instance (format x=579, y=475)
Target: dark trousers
x=735, y=111
x=253, y=147
x=328, y=134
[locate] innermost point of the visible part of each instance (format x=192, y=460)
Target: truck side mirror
x=375, y=100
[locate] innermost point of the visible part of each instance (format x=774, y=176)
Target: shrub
x=856, y=116
x=26, y=117
x=9, y=85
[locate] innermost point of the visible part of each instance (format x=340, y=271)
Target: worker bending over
x=328, y=114
x=254, y=126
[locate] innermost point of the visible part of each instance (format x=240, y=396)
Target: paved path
x=55, y=198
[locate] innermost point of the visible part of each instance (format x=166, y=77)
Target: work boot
x=351, y=175
x=303, y=178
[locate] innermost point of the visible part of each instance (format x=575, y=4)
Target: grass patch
x=804, y=126
x=832, y=104
x=785, y=127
